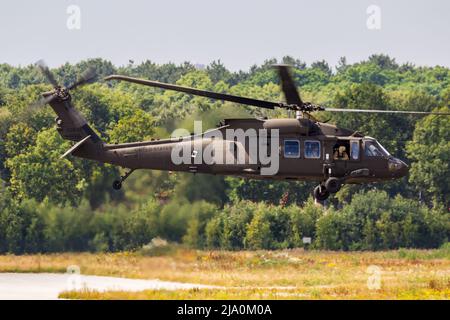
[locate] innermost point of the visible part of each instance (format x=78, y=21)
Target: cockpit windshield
x=383, y=149
x=374, y=149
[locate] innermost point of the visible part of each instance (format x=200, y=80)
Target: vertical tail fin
x=71, y=125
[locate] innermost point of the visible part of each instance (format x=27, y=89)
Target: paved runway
x=45, y=286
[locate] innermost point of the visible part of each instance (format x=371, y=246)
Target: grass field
x=287, y=274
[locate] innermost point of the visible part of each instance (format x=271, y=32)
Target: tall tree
x=430, y=151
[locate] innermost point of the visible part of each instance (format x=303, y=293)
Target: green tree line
x=371, y=221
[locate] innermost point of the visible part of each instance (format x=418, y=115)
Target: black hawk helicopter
x=306, y=148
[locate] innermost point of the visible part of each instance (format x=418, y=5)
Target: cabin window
x=354, y=150
x=312, y=149
x=291, y=149
x=341, y=150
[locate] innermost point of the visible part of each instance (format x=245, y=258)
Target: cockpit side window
x=372, y=149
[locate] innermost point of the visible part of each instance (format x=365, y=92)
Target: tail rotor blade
x=46, y=98
x=47, y=73
x=88, y=76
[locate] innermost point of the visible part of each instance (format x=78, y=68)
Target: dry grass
x=260, y=293
x=287, y=274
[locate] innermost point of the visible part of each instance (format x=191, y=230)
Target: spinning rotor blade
x=47, y=73
x=288, y=86
x=385, y=111
x=58, y=91
x=87, y=77
x=202, y=93
x=45, y=99
x=293, y=99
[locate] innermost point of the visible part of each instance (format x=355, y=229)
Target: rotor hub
x=62, y=93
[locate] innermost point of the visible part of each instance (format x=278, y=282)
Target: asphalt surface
x=47, y=286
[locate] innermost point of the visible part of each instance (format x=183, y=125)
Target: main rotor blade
x=47, y=73
x=288, y=86
x=385, y=111
x=202, y=93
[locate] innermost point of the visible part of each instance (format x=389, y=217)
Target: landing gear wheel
x=321, y=193
x=333, y=185
x=117, y=185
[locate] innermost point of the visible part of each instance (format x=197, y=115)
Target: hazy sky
x=238, y=32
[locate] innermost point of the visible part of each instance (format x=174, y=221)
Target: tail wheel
x=321, y=193
x=333, y=185
x=117, y=184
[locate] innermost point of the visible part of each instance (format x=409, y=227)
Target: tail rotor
x=88, y=76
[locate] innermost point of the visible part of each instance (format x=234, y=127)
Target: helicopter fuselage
x=306, y=150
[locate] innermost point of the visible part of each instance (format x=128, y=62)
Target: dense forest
x=50, y=204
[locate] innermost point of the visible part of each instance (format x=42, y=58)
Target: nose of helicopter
x=398, y=168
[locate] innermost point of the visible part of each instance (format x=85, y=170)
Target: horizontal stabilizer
x=75, y=147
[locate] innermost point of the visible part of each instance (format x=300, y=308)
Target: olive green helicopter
x=306, y=149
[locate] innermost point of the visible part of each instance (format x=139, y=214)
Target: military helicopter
x=306, y=148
